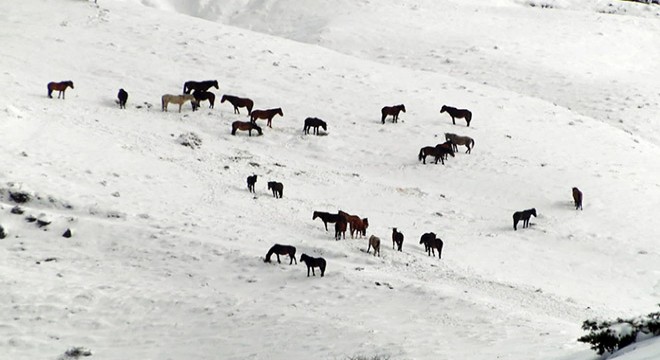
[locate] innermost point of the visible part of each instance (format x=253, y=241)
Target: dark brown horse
x=438, y=152
x=577, y=198
x=238, y=102
x=325, y=217
x=374, y=242
x=278, y=250
x=122, y=96
x=397, y=238
x=432, y=242
x=313, y=263
x=340, y=228
x=391, y=110
x=201, y=96
x=189, y=86
x=265, y=114
x=314, y=123
x=457, y=113
x=277, y=188
x=251, y=180
x=524, y=216
x=245, y=126
x=59, y=86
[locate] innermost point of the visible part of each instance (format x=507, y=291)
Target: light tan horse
x=176, y=99
x=460, y=140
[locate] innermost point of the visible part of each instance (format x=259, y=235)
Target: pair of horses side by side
x=397, y=238
x=203, y=96
x=431, y=242
x=265, y=114
x=245, y=126
x=278, y=250
x=177, y=99
x=312, y=263
x=457, y=113
x=391, y=111
x=201, y=86
x=325, y=217
x=523, y=216
x=238, y=102
x=251, y=180
x=314, y=123
x=277, y=188
x=460, y=140
x=439, y=152
x=356, y=224
x=374, y=242
x=59, y=86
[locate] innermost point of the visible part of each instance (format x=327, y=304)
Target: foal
x=251, y=180
x=312, y=263
x=524, y=216
x=397, y=238
x=577, y=198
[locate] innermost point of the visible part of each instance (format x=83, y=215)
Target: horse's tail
x=472, y=140
x=421, y=154
x=50, y=89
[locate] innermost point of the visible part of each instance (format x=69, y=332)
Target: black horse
x=439, y=152
x=122, y=96
x=577, y=198
x=397, y=238
x=278, y=250
x=277, y=188
x=312, y=263
x=524, y=216
x=391, y=110
x=201, y=96
x=314, y=123
x=457, y=113
x=325, y=217
x=431, y=242
x=189, y=86
x=251, y=180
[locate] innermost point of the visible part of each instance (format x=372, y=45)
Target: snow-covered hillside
x=166, y=258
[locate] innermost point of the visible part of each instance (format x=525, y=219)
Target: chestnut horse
x=278, y=250
x=312, y=263
x=265, y=114
x=524, y=216
x=189, y=86
x=391, y=110
x=460, y=140
x=577, y=198
x=59, y=86
x=457, y=113
x=244, y=126
x=177, y=99
x=355, y=223
x=325, y=217
x=397, y=238
x=238, y=103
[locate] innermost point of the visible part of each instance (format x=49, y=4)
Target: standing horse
x=245, y=126
x=457, y=113
x=59, y=86
x=460, y=140
x=251, y=180
x=277, y=188
x=177, y=99
x=374, y=242
x=189, y=86
x=391, y=110
x=397, y=238
x=340, y=228
x=278, y=250
x=314, y=123
x=238, y=102
x=265, y=114
x=431, y=242
x=325, y=217
x=201, y=96
x=312, y=263
x=577, y=198
x=122, y=96
x=438, y=152
x=356, y=224
x=524, y=216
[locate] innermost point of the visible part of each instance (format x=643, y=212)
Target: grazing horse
x=391, y=110
x=375, y=243
x=251, y=180
x=397, y=238
x=278, y=250
x=439, y=152
x=189, y=86
x=577, y=198
x=245, y=126
x=314, y=123
x=277, y=188
x=59, y=86
x=177, y=99
x=122, y=96
x=325, y=217
x=201, y=96
x=431, y=242
x=460, y=140
x=312, y=263
x=265, y=114
x=457, y=113
x=340, y=228
x=356, y=224
x=238, y=103
x=524, y=216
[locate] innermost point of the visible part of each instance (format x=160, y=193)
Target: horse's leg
x=313, y=273
x=453, y=121
x=278, y=259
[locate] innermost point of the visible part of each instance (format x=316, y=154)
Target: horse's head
x=324, y=126
x=279, y=111
x=70, y=83
x=402, y=107
x=315, y=215
x=215, y=83
x=224, y=97
x=444, y=108
x=303, y=257
x=533, y=211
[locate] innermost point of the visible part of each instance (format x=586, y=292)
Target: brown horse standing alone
x=265, y=114
x=577, y=198
x=457, y=113
x=59, y=86
x=392, y=110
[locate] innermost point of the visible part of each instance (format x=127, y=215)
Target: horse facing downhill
x=265, y=114
x=177, y=99
x=189, y=86
x=325, y=217
x=312, y=262
x=460, y=140
x=245, y=126
x=238, y=102
x=524, y=216
x=457, y=113
x=59, y=86
x=391, y=110
x=314, y=123
x=278, y=250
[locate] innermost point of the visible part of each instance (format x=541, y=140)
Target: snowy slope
x=166, y=257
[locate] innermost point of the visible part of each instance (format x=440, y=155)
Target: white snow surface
x=166, y=257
